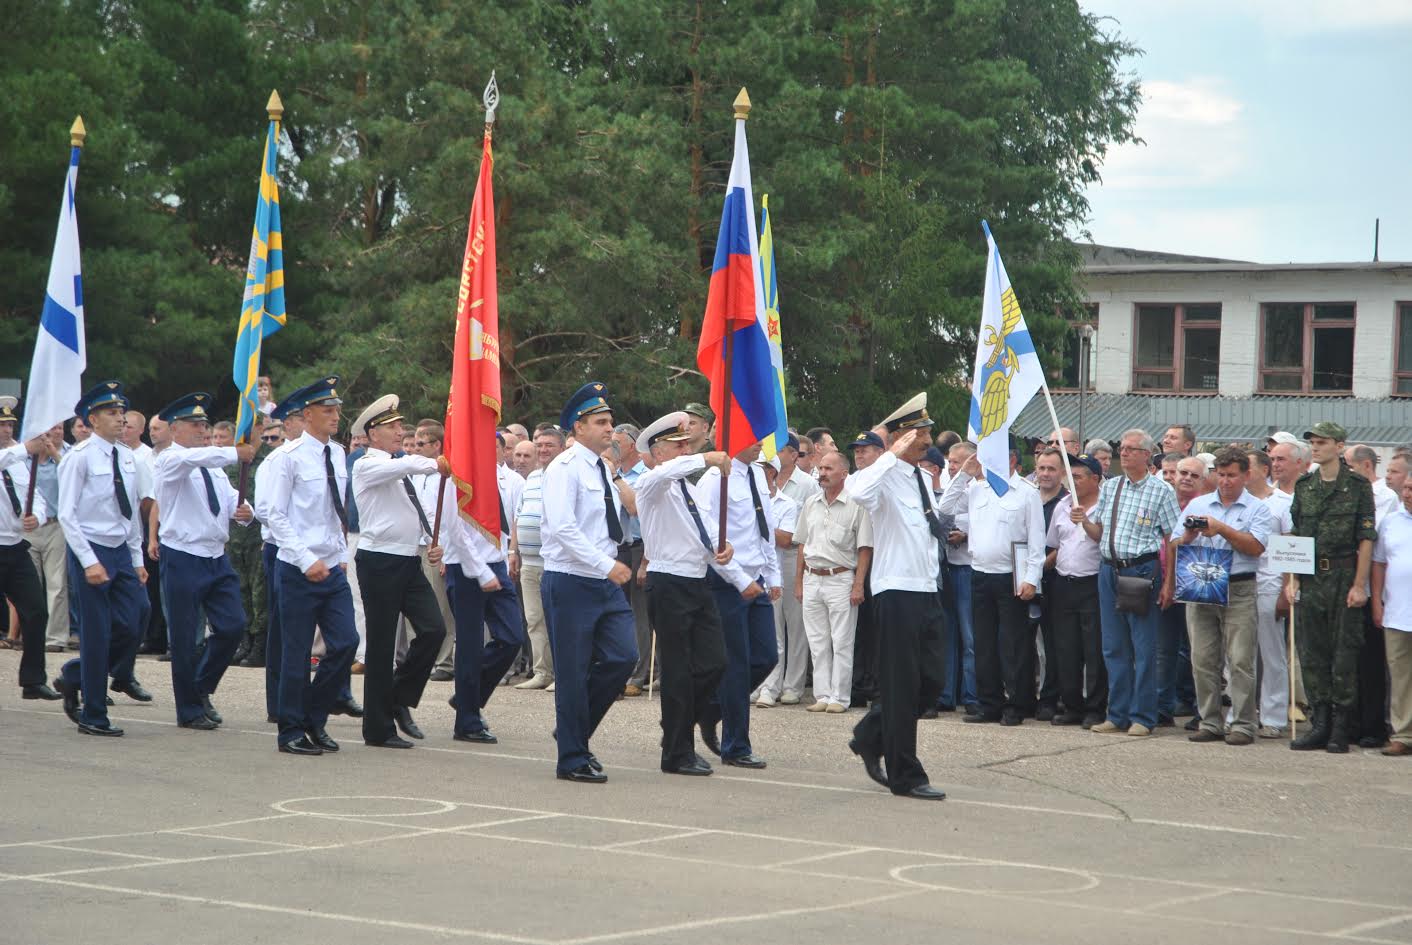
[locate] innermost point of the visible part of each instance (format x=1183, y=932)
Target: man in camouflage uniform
x=244, y=548
x=1334, y=506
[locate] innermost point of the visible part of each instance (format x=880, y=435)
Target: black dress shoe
x=946, y=707
x=1193, y=723
x=272, y=719
x=484, y=737
x=300, y=746
x=1367, y=741
x=70, y=697
x=872, y=761
x=38, y=691
x=1093, y=718
x=594, y=763
x=709, y=739
x=930, y=713
x=1011, y=718
x=403, y=717
x=752, y=761
x=147, y=649
x=1067, y=718
x=349, y=707
x=695, y=768
x=925, y=792
x=1184, y=709
x=322, y=739
x=201, y=723
x=133, y=689
x=107, y=730
x=980, y=717
x=1165, y=721
x=210, y=710
x=108, y=701
x=1045, y=713
x=584, y=774
x=164, y=658
x=440, y=675
x=393, y=741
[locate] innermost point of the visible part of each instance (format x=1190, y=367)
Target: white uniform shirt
x=755, y=555
x=799, y=486
x=302, y=514
x=905, y=555
x=146, y=471
x=574, y=527
x=88, y=505
x=1279, y=503
x=670, y=542
x=15, y=461
x=1394, y=549
x=1076, y=554
x=512, y=486
x=1385, y=501
x=388, y=522
x=263, y=473
x=998, y=521
x=186, y=520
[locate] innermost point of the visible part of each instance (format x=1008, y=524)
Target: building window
x=1307, y=348
x=1065, y=374
x=1402, y=383
x=1178, y=348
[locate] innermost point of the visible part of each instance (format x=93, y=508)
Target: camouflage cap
x=700, y=410
x=1328, y=430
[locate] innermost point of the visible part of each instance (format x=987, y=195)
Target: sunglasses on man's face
x=271, y=438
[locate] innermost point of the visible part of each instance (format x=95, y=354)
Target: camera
x=1196, y=523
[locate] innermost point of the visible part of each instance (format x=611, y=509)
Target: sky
x=1275, y=131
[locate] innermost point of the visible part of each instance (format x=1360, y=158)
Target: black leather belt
x=1331, y=564
x=1243, y=576
x=1121, y=563
x=1074, y=578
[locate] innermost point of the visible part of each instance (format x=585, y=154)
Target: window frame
x=1178, y=369
x=1305, y=372
x=1072, y=325
x=1402, y=309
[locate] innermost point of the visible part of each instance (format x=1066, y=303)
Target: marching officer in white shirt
x=679, y=545
x=304, y=500
x=98, y=497
x=393, y=524
x=591, y=630
x=19, y=579
x=747, y=619
x=906, y=604
x=289, y=413
x=196, y=507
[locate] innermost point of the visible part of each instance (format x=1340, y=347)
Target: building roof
x=1386, y=422
x=1102, y=260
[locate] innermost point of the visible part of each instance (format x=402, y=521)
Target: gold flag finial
x=77, y=132
x=274, y=106
x=742, y=104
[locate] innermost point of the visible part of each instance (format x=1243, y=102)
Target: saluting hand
x=903, y=443
x=972, y=467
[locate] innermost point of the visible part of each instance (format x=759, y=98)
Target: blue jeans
x=960, y=643
x=1174, y=679
x=1129, y=649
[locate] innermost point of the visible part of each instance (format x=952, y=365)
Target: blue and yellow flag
x=776, y=438
x=262, y=312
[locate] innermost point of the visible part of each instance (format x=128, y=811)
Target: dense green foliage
x=883, y=131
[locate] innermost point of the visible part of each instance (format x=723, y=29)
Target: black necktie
x=10, y=490
x=333, y=487
x=695, y=515
x=759, y=509
x=615, y=527
x=211, y=500
x=932, y=522
x=416, y=504
x=120, y=489
x=504, y=523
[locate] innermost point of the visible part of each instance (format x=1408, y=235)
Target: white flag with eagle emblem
x=1007, y=372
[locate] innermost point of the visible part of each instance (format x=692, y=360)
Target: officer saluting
x=591, y=631
x=304, y=501
x=390, y=576
x=906, y=604
x=98, y=513
x=679, y=544
x=196, y=503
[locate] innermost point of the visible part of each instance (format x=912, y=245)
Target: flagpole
x=275, y=109
x=1054, y=418
x=77, y=134
x=742, y=113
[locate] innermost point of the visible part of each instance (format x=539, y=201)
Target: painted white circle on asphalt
x=371, y=805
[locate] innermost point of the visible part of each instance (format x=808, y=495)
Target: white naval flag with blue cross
x=60, y=356
x=1007, y=372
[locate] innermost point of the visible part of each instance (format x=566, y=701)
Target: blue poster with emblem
x=1204, y=574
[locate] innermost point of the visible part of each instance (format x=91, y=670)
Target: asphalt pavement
x=1049, y=835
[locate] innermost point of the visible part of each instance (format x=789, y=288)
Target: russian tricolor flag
x=736, y=304
x=60, y=355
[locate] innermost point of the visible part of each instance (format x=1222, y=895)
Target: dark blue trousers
x=748, y=627
x=594, y=642
x=269, y=554
x=111, y=619
x=305, y=604
x=481, y=663
x=192, y=585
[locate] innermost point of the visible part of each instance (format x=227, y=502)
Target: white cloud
x=1193, y=136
